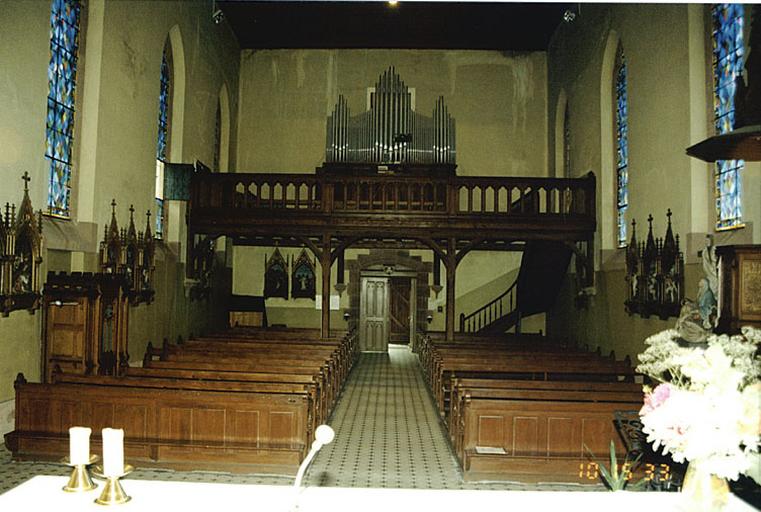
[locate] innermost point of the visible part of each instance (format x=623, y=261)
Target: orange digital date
x=661, y=472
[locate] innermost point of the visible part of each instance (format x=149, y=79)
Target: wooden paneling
x=491, y=431
x=525, y=439
x=245, y=426
x=740, y=287
x=166, y=427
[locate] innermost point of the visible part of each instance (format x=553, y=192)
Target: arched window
x=727, y=66
x=162, y=146
x=622, y=145
x=62, y=81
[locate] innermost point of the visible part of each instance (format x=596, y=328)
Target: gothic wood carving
x=129, y=253
x=654, y=274
x=20, y=255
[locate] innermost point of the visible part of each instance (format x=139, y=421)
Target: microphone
x=323, y=435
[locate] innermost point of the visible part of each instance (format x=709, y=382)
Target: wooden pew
x=541, y=435
x=182, y=429
x=470, y=389
x=260, y=361
x=322, y=404
x=308, y=389
x=532, y=366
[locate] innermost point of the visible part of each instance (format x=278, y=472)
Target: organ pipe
x=390, y=131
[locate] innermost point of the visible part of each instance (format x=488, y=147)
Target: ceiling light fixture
x=393, y=3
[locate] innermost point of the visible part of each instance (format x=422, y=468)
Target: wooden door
x=399, y=310
x=66, y=337
x=373, y=311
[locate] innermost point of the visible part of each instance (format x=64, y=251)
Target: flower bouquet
x=707, y=407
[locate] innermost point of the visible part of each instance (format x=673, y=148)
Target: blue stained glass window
x=622, y=148
x=727, y=67
x=163, y=138
x=59, y=124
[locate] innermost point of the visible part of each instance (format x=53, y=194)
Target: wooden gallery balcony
x=413, y=203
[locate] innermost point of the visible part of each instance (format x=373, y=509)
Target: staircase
x=543, y=266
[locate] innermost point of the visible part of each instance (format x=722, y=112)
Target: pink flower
x=656, y=398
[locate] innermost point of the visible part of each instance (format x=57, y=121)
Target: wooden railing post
x=325, y=266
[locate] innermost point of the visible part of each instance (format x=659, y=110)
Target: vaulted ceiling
x=379, y=24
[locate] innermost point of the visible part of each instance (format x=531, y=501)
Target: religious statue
x=689, y=325
x=708, y=286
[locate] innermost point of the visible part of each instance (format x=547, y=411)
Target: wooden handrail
x=453, y=196
x=490, y=312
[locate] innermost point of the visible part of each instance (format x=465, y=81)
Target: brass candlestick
x=80, y=480
x=113, y=493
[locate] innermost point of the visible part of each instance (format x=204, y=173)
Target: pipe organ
x=390, y=131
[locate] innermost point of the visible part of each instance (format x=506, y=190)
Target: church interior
x=226, y=222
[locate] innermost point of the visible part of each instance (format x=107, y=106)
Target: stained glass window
x=622, y=148
x=162, y=145
x=727, y=67
x=59, y=126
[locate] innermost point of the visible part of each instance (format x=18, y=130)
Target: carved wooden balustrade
x=401, y=206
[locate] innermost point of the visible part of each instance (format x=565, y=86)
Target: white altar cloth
x=44, y=493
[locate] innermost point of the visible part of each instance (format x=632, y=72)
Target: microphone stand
x=323, y=435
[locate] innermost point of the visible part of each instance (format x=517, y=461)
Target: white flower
x=711, y=410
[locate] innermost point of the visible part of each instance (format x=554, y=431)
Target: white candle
x=79, y=445
x=113, y=452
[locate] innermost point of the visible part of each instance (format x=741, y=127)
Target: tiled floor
x=388, y=434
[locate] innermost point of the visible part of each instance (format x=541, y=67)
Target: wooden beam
x=469, y=247
x=325, y=261
x=341, y=247
x=312, y=246
x=451, y=265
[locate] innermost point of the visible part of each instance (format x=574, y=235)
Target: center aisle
x=388, y=433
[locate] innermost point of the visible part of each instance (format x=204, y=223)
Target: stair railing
x=491, y=312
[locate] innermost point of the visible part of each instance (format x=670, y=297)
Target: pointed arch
x=178, y=93
x=607, y=191
x=561, y=115
x=224, y=129
x=170, y=120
